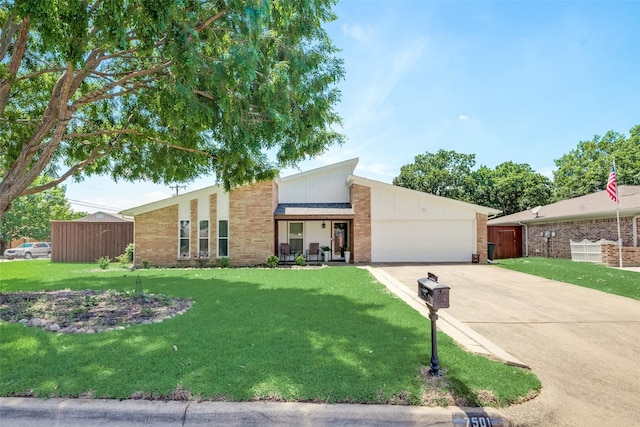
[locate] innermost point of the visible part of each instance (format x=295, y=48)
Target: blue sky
x=521, y=81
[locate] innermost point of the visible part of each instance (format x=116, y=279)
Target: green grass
x=323, y=335
x=594, y=276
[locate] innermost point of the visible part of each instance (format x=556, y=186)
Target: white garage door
x=422, y=241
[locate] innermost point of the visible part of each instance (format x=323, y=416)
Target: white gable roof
x=446, y=202
x=165, y=203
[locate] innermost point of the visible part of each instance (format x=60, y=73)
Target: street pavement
x=582, y=344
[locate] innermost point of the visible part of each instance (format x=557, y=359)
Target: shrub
x=103, y=262
x=127, y=257
x=145, y=263
x=224, y=262
x=301, y=260
x=272, y=261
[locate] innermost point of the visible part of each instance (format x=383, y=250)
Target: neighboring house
x=547, y=230
x=91, y=237
x=103, y=217
x=375, y=221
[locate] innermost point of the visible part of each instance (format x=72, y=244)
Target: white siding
x=184, y=210
x=222, y=206
x=203, y=208
x=322, y=186
x=408, y=226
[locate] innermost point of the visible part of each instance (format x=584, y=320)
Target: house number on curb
x=476, y=421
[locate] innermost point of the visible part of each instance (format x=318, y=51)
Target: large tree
x=444, y=173
x=163, y=90
x=586, y=168
x=511, y=187
x=30, y=215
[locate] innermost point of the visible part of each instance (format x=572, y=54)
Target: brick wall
x=251, y=224
x=630, y=256
x=559, y=245
x=481, y=225
x=361, y=202
x=156, y=237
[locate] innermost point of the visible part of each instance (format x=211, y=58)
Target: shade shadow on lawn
x=281, y=335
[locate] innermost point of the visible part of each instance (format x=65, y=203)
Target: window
x=203, y=239
x=184, y=239
x=223, y=238
x=295, y=237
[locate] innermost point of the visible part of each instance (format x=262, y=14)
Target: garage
x=412, y=226
x=422, y=241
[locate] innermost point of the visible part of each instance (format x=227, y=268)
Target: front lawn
x=319, y=335
x=595, y=276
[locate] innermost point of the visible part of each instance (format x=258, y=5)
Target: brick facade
x=156, y=237
x=251, y=223
x=251, y=229
x=361, y=203
x=558, y=246
x=611, y=254
x=482, y=239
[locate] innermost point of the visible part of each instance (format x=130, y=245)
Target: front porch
x=314, y=231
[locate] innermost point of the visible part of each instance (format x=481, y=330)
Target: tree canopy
x=510, y=187
x=163, y=90
x=30, y=215
x=586, y=168
x=444, y=173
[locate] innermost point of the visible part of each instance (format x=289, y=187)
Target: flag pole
x=618, y=215
x=619, y=238
x=612, y=191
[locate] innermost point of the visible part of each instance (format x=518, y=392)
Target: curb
x=33, y=412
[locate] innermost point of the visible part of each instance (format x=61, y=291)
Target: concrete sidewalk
x=29, y=412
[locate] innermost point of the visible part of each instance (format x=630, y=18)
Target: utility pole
x=177, y=187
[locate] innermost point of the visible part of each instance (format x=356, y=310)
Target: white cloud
x=463, y=117
x=358, y=32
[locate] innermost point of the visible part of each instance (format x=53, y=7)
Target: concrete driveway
x=583, y=344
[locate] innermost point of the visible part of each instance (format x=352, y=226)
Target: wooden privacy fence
x=508, y=241
x=88, y=241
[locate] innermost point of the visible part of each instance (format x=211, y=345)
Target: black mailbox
x=435, y=294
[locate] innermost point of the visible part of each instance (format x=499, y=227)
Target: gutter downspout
x=635, y=230
x=526, y=238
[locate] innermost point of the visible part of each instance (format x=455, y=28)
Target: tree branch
x=8, y=30
x=100, y=93
x=212, y=19
x=136, y=133
x=93, y=156
x=17, y=54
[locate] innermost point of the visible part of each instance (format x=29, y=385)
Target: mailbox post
x=436, y=296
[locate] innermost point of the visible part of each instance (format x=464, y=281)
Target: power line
x=93, y=205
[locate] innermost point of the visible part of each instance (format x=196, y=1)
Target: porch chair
x=313, y=251
x=285, y=252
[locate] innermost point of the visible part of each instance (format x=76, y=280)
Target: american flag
x=612, y=190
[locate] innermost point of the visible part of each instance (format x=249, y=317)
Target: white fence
x=588, y=251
